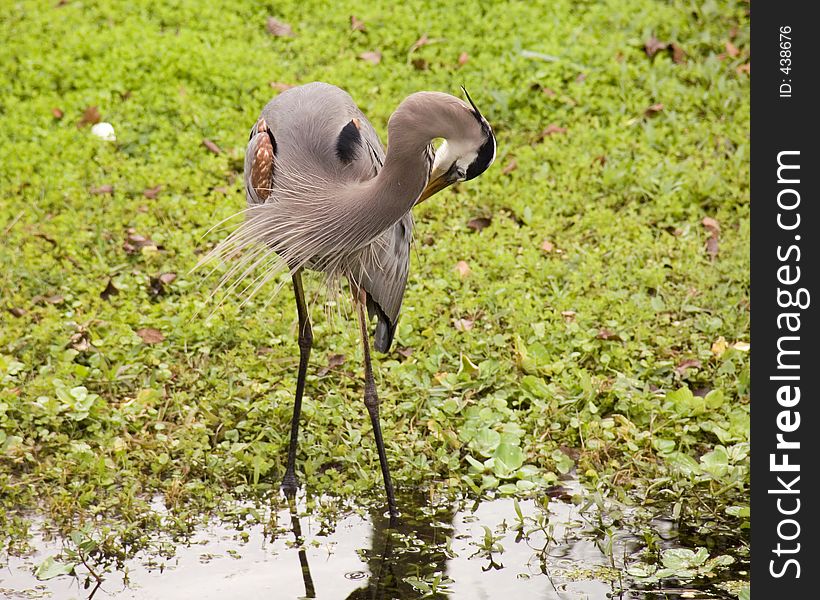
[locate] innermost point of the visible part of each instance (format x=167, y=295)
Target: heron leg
x=371, y=401
x=290, y=483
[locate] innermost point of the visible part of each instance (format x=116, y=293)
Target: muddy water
x=461, y=551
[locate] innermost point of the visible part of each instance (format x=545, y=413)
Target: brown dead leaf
x=46, y=237
x=463, y=58
x=711, y=225
x=731, y=49
x=278, y=28
x=744, y=68
x=102, y=189
x=110, y=290
x=419, y=43
x=712, y=247
x=135, y=242
x=374, y=57
x=419, y=64
x=652, y=110
x=569, y=315
x=479, y=223
x=356, y=24
x=462, y=268
x=17, y=312
x=211, y=146
x=58, y=114
x=719, y=346
x=601, y=160
x=653, y=45
x=463, y=324
x=55, y=299
x=548, y=92
x=136, y=238
x=333, y=361
x=406, y=352
x=606, y=334
x=152, y=192
x=150, y=335
x=156, y=287
x=678, y=54
x=687, y=364
x=79, y=341
x=552, y=129
x=712, y=243
x=511, y=166
x=281, y=87
x=547, y=246
x=167, y=278
x=91, y=116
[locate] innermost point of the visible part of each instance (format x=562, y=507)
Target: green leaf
x=486, y=441
x=467, y=369
x=683, y=463
x=738, y=511
x=716, y=462
x=563, y=462
x=663, y=446
x=418, y=584
x=714, y=399
x=478, y=466
x=682, y=560
x=508, y=489
x=508, y=459
x=50, y=568
x=535, y=386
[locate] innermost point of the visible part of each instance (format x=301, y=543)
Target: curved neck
x=402, y=179
x=370, y=207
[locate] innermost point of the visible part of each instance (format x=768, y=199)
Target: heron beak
x=439, y=179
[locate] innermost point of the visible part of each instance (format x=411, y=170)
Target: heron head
x=464, y=155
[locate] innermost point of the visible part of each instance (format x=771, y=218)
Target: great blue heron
x=323, y=195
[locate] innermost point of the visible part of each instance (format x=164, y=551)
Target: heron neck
x=380, y=202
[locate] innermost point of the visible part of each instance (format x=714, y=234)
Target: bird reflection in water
x=404, y=548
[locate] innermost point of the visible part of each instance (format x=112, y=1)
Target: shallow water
x=460, y=551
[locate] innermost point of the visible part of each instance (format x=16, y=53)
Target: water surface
x=456, y=550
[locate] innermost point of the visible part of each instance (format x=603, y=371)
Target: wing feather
x=259, y=162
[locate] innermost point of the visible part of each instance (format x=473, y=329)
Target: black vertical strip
x=785, y=296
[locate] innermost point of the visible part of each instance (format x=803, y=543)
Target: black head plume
x=486, y=153
x=470, y=100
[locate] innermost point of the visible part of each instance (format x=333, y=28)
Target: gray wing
x=383, y=275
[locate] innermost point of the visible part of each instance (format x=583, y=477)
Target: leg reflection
x=310, y=591
x=412, y=548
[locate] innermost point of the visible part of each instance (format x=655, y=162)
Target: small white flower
x=104, y=131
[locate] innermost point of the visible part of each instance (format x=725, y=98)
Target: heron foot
x=290, y=484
